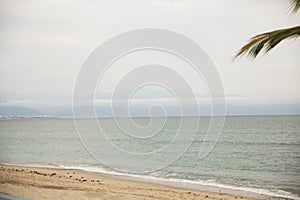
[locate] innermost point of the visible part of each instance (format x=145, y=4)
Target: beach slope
x=45, y=183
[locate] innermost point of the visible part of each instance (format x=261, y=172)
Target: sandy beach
x=45, y=183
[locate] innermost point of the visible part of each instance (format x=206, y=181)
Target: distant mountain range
x=141, y=111
x=52, y=105
x=19, y=111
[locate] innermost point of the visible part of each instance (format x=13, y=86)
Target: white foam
x=173, y=181
x=170, y=181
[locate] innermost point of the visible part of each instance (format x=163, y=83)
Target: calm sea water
x=253, y=152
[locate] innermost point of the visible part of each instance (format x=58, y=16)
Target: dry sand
x=44, y=183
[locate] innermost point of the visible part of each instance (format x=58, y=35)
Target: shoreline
x=44, y=182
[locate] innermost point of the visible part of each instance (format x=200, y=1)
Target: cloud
x=43, y=43
x=29, y=103
x=171, y=4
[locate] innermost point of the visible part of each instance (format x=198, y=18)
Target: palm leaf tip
x=267, y=41
x=253, y=46
x=295, y=5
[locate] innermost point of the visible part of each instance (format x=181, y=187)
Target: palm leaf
x=295, y=5
x=267, y=41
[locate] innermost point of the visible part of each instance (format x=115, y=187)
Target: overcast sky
x=44, y=43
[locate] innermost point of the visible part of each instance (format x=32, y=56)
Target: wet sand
x=46, y=183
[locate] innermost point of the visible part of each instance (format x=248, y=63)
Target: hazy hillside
x=19, y=111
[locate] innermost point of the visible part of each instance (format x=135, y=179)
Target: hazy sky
x=44, y=43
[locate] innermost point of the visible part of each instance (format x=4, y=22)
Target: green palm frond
x=267, y=41
x=295, y=5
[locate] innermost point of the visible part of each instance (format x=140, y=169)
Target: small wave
x=186, y=183
x=191, y=184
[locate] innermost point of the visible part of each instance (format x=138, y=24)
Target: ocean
x=254, y=153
